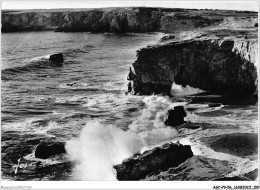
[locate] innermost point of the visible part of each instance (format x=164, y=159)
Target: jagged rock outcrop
x=158, y=159
x=224, y=66
x=118, y=20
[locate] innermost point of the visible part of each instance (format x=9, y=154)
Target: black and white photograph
x=134, y=91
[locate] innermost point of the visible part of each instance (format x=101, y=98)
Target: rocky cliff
x=213, y=54
x=118, y=20
x=221, y=65
x=31, y=21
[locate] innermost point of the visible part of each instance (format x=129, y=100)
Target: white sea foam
x=44, y=57
x=40, y=98
x=99, y=148
x=31, y=126
x=100, y=100
x=200, y=108
x=108, y=102
x=63, y=100
x=150, y=124
x=74, y=85
x=36, y=59
x=45, y=162
x=19, y=126
x=179, y=90
x=111, y=85
x=115, y=85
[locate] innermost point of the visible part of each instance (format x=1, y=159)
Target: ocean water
x=81, y=102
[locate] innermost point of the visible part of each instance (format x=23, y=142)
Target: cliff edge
x=117, y=20
x=221, y=60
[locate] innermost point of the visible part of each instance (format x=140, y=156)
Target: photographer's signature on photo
x=19, y=165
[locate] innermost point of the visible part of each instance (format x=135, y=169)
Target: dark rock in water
x=132, y=109
x=58, y=58
x=175, y=116
x=129, y=87
x=158, y=159
x=71, y=84
x=245, y=36
x=215, y=104
x=47, y=149
x=256, y=25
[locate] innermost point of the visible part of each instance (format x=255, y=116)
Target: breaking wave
x=150, y=124
x=30, y=65
x=179, y=90
x=99, y=148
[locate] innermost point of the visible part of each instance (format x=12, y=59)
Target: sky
x=252, y=5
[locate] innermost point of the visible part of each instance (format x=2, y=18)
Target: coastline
x=219, y=56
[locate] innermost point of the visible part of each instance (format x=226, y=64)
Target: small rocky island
x=213, y=50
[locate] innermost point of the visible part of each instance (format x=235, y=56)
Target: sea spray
x=150, y=124
x=99, y=148
x=179, y=90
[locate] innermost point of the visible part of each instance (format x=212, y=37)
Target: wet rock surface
x=48, y=149
x=175, y=116
x=57, y=58
x=158, y=159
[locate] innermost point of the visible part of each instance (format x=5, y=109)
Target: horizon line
x=14, y=9
x=245, y=5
